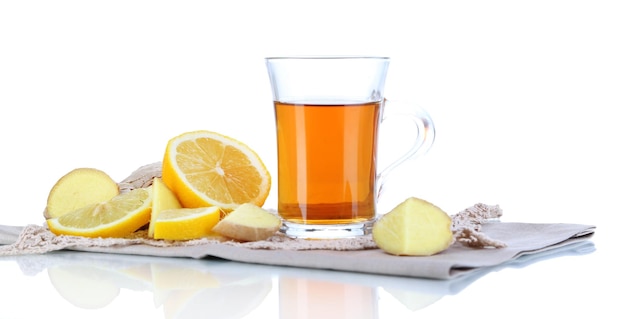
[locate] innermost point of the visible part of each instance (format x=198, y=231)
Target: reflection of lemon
x=85, y=287
x=209, y=169
x=140, y=272
x=175, y=302
x=174, y=284
x=118, y=217
x=231, y=301
x=414, y=300
x=186, y=223
x=170, y=277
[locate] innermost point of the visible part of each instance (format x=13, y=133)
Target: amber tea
x=327, y=162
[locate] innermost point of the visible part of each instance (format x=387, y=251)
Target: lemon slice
x=117, y=217
x=186, y=223
x=204, y=168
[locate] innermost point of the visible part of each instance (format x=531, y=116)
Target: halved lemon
x=117, y=217
x=186, y=223
x=205, y=168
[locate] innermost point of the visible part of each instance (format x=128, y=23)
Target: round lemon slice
x=117, y=217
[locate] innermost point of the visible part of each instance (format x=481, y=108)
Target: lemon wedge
x=186, y=223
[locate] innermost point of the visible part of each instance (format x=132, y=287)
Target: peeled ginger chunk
x=248, y=222
x=79, y=188
x=414, y=228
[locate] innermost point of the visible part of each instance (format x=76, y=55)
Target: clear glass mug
x=328, y=112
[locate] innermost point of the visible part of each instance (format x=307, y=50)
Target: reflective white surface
x=526, y=98
x=79, y=284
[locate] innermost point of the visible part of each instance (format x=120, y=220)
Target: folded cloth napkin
x=354, y=255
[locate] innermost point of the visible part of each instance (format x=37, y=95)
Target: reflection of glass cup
x=301, y=298
x=328, y=111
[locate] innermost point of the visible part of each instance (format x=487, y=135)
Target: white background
x=527, y=96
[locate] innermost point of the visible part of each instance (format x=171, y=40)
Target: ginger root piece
x=79, y=188
x=248, y=222
x=414, y=228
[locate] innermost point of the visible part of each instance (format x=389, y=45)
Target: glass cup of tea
x=328, y=113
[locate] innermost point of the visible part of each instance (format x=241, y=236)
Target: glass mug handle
x=424, y=138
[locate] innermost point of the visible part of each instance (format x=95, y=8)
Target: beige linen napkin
x=346, y=254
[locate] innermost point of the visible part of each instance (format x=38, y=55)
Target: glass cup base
x=308, y=231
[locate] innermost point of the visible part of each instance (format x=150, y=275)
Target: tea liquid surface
x=327, y=162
